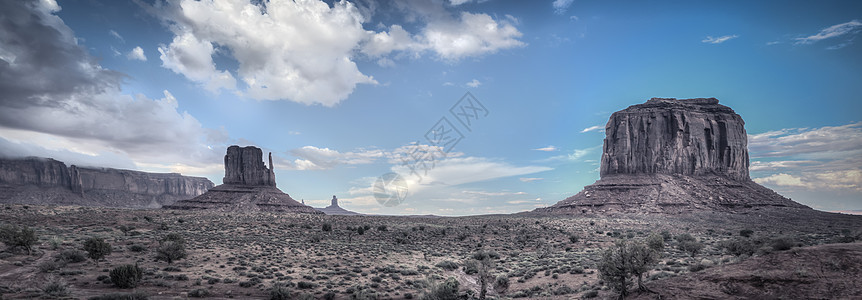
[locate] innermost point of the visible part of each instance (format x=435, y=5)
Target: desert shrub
x=199, y=293
x=97, y=248
x=447, y=290
x=279, y=291
x=125, y=229
x=739, y=246
x=696, y=267
x=18, y=236
x=51, y=265
x=381, y=228
x=471, y=267
x=689, y=244
x=126, y=276
x=306, y=285
x=655, y=242
x=361, y=293
x=501, y=284
x=746, y=232
x=360, y=230
x=327, y=227
x=171, y=251
x=573, y=238
x=137, y=248
x=122, y=296
x=685, y=237
x=55, y=288
x=782, y=243
x=564, y=290
x=173, y=237
x=71, y=256
x=447, y=265
x=591, y=294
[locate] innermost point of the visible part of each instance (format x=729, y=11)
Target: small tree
x=624, y=260
x=18, y=236
x=97, y=248
x=447, y=290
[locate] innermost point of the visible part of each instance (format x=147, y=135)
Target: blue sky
x=338, y=91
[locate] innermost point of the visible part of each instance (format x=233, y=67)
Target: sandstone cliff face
x=243, y=166
x=48, y=181
x=669, y=136
x=670, y=155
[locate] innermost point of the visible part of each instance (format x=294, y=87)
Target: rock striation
x=334, y=209
x=672, y=155
x=248, y=185
x=46, y=181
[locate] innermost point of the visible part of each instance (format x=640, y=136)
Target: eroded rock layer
x=670, y=155
x=47, y=181
x=669, y=136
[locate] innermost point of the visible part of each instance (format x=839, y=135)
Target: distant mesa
x=673, y=155
x=46, y=181
x=248, y=186
x=334, y=209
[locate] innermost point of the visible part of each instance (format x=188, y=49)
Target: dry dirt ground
x=540, y=256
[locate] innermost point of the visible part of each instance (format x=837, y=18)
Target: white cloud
x=718, y=40
x=462, y=170
x=593, y=128
x=833, y=31
x=116, y=36
x=137, y=53
x=314, y=158
x=825, y=158
x=807, y=141
x=781, y=179
x=469, y=35
x=561, y=6
x=529, y=179
x=576, y=155
x=191, y=57
x=547, y=149
x=295, y=50
x=474, y=83
x=458, y=2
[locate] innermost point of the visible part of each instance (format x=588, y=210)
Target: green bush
x=739, y=246
x=97, y=248
x=782, y=243
x=55, y=288
x=746, y=232
x=126, y=276
x=18, y=236
x=327, y=227
x=655, y=241
x=170, y=251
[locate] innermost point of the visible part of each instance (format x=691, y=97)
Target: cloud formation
x=833, y=31
x=593, y=128
x=718, y=40
x=825, y=158
x=137, y=54
x=561, y=6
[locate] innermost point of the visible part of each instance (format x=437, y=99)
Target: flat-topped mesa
x=676, y=136
x=244, y=166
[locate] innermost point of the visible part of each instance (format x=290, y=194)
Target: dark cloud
x=54, y=95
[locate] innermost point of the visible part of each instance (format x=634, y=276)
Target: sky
x=480, y=106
